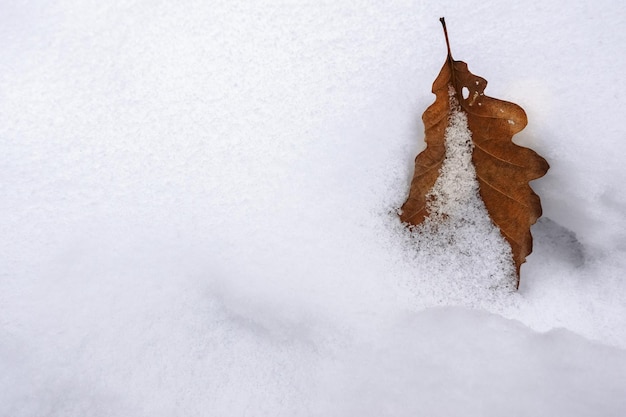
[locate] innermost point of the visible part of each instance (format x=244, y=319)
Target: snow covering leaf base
x=503, y=169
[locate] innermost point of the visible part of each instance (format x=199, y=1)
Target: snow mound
x=197, y=212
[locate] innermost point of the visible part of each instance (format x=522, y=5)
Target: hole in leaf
x=465, y=92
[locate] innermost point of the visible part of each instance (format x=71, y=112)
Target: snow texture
x=458, y=233
x=198, y=211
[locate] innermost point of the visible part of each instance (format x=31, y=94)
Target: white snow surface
x=198, y=211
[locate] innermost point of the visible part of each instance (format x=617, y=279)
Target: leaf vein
x=500, y=191
x=497, y=157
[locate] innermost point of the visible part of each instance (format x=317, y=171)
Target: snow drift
x=197, y=208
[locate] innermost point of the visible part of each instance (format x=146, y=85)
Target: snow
x=197, y=211
x=458, y=236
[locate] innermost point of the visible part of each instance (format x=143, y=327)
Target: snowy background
x=197, y=211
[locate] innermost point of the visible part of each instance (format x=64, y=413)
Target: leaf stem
x=445, y=32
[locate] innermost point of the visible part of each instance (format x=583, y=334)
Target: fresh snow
x=198, y=212
x=458, y=234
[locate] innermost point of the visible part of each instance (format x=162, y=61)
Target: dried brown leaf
x=503, y=169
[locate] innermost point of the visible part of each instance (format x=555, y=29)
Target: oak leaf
x=503, y=169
